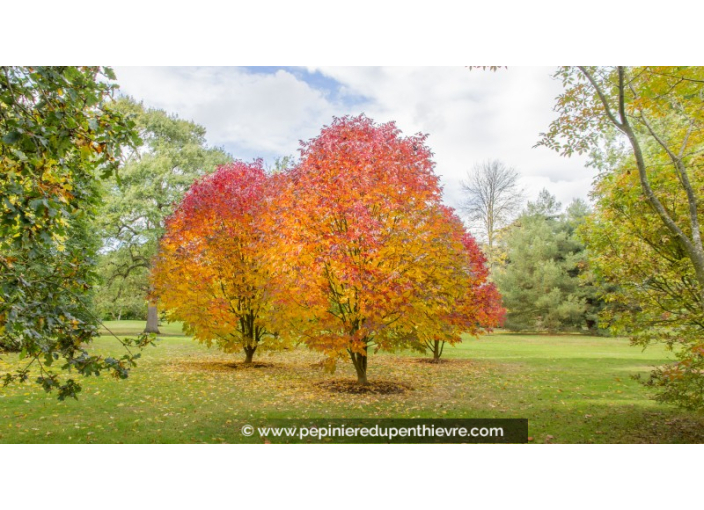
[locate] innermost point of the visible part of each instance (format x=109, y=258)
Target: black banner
x=442, y=430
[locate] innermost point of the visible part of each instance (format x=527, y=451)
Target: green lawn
x=572, y=389
x=126, y=328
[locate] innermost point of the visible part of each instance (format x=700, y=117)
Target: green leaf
x=11, y=137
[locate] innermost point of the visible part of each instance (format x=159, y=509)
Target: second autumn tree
x=211, y=271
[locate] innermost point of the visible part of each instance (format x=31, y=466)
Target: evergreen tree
x=545, y=282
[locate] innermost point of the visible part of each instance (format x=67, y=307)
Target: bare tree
x=491, y=199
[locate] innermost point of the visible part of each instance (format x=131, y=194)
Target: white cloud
x=470, y=116
x=258, y=114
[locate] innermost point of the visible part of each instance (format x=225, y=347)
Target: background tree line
x=539, y=260
x=153, y=178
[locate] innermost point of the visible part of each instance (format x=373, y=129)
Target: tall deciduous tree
x=363, y=236
x=60, y=134
x=658, y=113
x=492, y=198
x=212, y=272
x=153, y=179
x=657, y=297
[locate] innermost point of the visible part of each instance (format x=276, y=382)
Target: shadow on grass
x=660, y=428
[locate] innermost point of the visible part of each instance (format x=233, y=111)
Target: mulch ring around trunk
x=431, y=361
x=447, y=362
x=374, y=387
x=215, y=366
x=254, y=364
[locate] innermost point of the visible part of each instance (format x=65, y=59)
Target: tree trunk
x=438, y=348
x=249, y=354
x=436, y=351
x=359, y=360
x=591, y=325
x=152, y=319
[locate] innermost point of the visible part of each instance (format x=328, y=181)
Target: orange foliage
x=372, y=258
x=349, y=251
x=211, y=272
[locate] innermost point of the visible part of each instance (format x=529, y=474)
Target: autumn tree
x=59, y=137
x=456, y=297
x=154, y=177
x=492, y=198
x=211, y=271
x=657, y=115
x=362, y=236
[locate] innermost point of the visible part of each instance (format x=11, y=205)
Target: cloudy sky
x=470, y=116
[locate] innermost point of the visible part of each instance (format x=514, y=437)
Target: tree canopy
x=60, y=134
x=655, y=297
x=545, y=280
x=492, y=198
x=212, y=271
